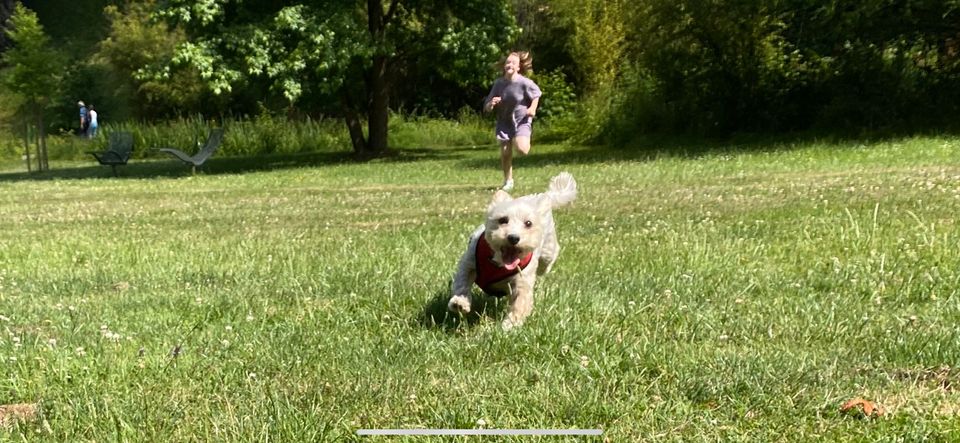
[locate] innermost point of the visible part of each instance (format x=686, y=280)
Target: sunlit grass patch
x=721, y=296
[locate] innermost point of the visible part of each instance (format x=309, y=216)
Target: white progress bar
x=479, y=432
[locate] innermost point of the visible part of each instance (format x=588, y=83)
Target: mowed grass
x=730, y=295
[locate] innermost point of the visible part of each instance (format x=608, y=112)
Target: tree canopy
x=339, y=56
x=614, y=69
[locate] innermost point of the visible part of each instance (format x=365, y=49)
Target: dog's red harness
x=489, y=272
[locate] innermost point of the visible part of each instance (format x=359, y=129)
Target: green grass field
x=728, y=295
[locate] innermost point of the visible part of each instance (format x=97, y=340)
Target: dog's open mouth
x=511, y=257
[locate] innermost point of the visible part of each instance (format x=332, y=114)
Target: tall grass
x=266, y=134
x=243, y=137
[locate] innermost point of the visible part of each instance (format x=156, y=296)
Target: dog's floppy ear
x=500, y=196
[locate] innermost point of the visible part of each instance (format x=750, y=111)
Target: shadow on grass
x=435, y=315
x=157, y=167
x=162, y=167
x=643, y=148
x=652, y=147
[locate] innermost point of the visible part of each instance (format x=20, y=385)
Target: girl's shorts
x=522, y=129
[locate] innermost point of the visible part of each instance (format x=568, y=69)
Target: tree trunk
x=42, y=144
x=353, y=125
x=379, y=112
x=378, y=85
x=26, y=145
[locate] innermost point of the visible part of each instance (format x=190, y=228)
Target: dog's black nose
x=513, y=239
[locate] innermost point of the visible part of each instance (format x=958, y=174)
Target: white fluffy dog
x=517, y=243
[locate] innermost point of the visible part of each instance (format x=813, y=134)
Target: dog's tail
x=562, y=189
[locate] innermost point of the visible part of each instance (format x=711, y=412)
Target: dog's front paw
x=510, y=323
x=459, y=304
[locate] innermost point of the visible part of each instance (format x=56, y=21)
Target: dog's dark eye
x=504, y=220
x=528, y=223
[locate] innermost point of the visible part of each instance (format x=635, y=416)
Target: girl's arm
x=490, y=103
x=533, y=91
x=532, y=109
x=492, y=98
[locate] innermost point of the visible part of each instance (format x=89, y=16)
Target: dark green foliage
x=547, y=27
x=134, y=41
x=74, y=26
x=721, y=66
x=714, y=67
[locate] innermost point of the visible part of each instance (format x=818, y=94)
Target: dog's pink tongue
x=511, y=258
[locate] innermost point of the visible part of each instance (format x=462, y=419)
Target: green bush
x=559, y=100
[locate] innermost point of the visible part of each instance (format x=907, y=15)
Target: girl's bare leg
x=522, y=144
x=506, y=160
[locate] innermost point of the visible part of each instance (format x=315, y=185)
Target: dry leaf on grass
x=10, y=414
x=859, y=405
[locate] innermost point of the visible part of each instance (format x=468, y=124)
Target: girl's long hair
x=526, y=61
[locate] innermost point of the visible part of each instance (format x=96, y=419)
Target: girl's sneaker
x=507, y=185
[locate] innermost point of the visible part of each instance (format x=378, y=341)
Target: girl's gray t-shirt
x=515, y=97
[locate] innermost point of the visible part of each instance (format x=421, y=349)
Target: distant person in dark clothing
x=84, y=122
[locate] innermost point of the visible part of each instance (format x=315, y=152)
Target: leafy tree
x=346, y=52
x=710, y=58
x=135, y=41
x=547, y=29
x=598, y=42
x=34, y=72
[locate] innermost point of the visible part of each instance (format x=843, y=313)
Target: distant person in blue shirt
x=83, y=117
